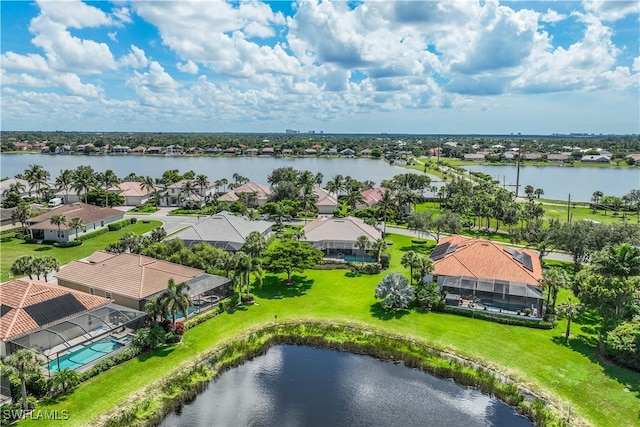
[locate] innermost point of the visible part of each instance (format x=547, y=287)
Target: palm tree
x=319, y=178
x=156, y=308
x=618, y=261
x=336, y=184
x=175, y=299
x=47, y=264
x=84, y=179
x=158, y=234
x=386, y=202
x=64, y=182
x=254, y=244
x=24, y=365
x=595, y=199
x=379, y=246
x=224, y=182
x=58, y=219
x=362, y=243
x=394, y=291
x=37, y=177
x=553, y=280
x=424, y=265
x=148, y=184
x=16, y=187
x=64, y=380
x=243, y=267
x=354, y=196
x=226, y=262
x=188, y=189
x=76, y=224
x=569, y=309
x=21, y=213
x=410, y=260
x=538, y=192
x=202, y=182
x=108, y=179
x=23, y=265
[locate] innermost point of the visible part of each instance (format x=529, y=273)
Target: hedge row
x=505, y=320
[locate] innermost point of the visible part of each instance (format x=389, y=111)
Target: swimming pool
x=358, y=259
x=179, y=315
x=85, y=354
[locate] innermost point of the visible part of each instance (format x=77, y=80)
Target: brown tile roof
x=486, y=259
x=17, y=295
x=373, y=195
x=339, y=229
x=130, y=189
x=325, y=197
x=130, y=275
x=88, y=213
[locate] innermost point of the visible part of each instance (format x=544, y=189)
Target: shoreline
x=155, y=401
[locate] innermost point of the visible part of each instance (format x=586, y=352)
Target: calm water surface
x=304, y=386
x=255, y=168
x=558, y=181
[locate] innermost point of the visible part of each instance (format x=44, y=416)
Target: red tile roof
x=373, y=195
x=131, y=275
x=17, y=295
x=486, y=259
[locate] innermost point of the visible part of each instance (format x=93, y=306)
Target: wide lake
x=305, y=386
x=558, y=181
x=255, y=168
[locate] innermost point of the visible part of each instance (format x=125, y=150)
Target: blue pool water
x=84, y=355
x=180, y=315
x=358, y=259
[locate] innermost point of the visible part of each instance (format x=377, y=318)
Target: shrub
x=623, y=344
x=196, y=320
x=366, y=267
x=120, y=224
x=10, y=230
x=93, y=234
x=385, y=260
x=172, y=338
x=30, y=240
x=115, y=226
x=67, y=244
x=133, y=220
x=505, y=320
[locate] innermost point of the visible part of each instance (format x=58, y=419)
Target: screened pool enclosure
x=57, y=340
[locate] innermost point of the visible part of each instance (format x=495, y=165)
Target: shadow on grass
x=378, y=311
x=352, y=274
x=43, y=248
x=424, y=249
x=587, y=345
x=163, y=351
x=55, y=399
x=273, y=287
x=6, y=239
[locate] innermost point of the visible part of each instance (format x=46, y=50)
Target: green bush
x=385, y=260
x=505, y=320
x=133, y=220
x=366, y=267
x=93, y=234
x=115, y=226
x=67, y=244
x=210, y=314
x=172, y=338
x=120, y=224
x=623, y=344
x=30, y=240
x=10, y=230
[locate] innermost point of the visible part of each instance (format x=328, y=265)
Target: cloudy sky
x=489, y=67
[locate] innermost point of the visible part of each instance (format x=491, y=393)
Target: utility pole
x=518, y=170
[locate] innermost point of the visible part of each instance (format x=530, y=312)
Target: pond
x=255, y=168
x=558, y=181
x=305, y=386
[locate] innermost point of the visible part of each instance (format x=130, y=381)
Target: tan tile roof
x=339, y=229
x=325, y=197
x=130, y=275
x=262, y=192
x=373, y=195
x=19, y=294
x=130, y=189
x=486, y=259
x=88, y=213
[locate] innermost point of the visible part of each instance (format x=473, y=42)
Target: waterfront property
x=224, y=230
x=326, y=201
x=337, y=237
x=482, y=274
x=177, y=195
x=371, y=197
x=59, y=323
x=131, y=279
x=133, y=192
x=251, y=194
x=94, y=218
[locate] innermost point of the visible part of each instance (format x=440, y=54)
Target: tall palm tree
x=362, y=243
x=58, y=219
x=569, y=309
x=155, y=308
x=254, y=244
x=84, y=179
x=319, y=178
x=553, y=279
x=336, y=184
x=188, y=189
x=108, y=179
x=224, y=182
x=23, y=265
x=175, y=299
x=243, y=267
x=76, y=224
x=148, y=184
x=424, y=265
x=202, y=182
x=622, y=260
x=386, y=202
x=16, y=187
x=379, y=246
x=37, y=177
x=24, y=365
x=226, y=262
x=410, y=260
x=64, y=182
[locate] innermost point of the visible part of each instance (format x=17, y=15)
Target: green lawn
x=570, y=373
x=13, y=248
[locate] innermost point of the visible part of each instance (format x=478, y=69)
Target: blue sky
x=488, y=67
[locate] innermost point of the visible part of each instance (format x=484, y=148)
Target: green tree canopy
x=289, y=255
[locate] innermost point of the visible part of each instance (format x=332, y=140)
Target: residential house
x=7, y=184
x=371, y=197
x=224, y=230
x=310, y=151
x=558, y=157
x=326, y=201
x=287, y=152
x=346, y=152
x=94, y=218
x=85, y=148
x=138, y=150
x=133, y=192
x=508, y=156
x=175, y=194
x=21, y=146
x=475, y=157
x=154, y=150
x=63, y=149
x=366, y=152
x=336, y=237
x=252, y=151
x=635, y=157
x=251, y=194
x=532, y=156
x=131, y=279
x=268, y=151
x=595, y=158
x=478, y=273
x=231, y=150
x=55, y=322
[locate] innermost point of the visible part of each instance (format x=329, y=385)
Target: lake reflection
x=304, y=386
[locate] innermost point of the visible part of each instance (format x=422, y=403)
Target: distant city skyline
x=366, y=67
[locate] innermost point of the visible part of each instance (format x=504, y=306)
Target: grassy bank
x=13, y=248
x=569, y=373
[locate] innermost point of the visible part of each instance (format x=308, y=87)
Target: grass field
x=12, y=248
x=571, y=373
